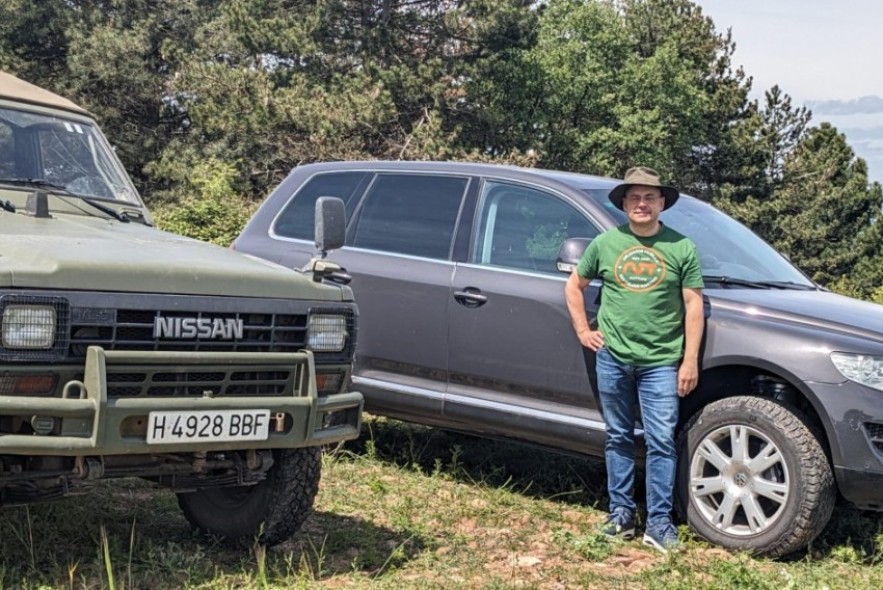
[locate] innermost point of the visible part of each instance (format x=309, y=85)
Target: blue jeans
x=621, y=387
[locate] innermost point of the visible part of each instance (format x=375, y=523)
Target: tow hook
x=88, y=468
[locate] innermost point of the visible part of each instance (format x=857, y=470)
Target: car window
x=521, y=227
x=298, y=219
x=7, y=152
x=412, y=214
x=725, y=246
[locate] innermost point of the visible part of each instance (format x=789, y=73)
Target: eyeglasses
x=634, y=199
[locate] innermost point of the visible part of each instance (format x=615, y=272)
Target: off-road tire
x=800, y=462
x=269, y=512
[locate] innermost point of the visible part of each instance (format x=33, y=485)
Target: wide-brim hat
x=643, y=176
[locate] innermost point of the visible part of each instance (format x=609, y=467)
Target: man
x=650, y=324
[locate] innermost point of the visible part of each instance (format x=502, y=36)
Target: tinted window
x=298, y=219
x=523, y=228
x=410, y=214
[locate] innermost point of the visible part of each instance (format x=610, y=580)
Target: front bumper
x=855, y=434
x=88, y=422
x=861, y=488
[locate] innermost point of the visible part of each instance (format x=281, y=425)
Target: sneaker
x=620, y=523
x=662, y=537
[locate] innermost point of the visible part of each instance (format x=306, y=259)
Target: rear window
x=412, y=214
x=298, y=219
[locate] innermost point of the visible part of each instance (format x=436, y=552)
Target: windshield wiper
x=34, y=182
x=103, y=208
x=63, y=191
x=725, y=280
x=789, y=285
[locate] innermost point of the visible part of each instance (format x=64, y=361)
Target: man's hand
x=688, y=377
x=576, y=305
x=592, y=339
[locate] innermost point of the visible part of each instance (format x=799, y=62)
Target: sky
x=823, y=53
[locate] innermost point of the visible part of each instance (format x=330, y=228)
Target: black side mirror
x=330, y=224
x=330, y=235
x=570, y=253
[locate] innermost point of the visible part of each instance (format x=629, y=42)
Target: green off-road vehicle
x=131, y=352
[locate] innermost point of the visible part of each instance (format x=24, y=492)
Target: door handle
x=470, y=297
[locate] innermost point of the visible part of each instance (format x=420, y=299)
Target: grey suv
x=459, y=272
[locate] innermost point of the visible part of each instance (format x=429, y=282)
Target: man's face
x=643, y=204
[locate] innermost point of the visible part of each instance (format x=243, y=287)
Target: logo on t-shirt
x=639, y=269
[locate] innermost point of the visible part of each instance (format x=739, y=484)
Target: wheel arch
x=750, y=376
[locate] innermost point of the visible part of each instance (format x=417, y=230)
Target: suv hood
x=821, y=310
x=73, y=252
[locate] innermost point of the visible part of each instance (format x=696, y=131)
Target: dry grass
x=410, y=507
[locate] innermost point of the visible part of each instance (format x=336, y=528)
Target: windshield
x=68, y=153
x=726, y=247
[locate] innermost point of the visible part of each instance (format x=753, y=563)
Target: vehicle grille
x=129, y=323
x=132, y=329
x=197, y=384
x=134, y=382
x=875, y=434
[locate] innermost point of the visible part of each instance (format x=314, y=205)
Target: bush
x=211, y=211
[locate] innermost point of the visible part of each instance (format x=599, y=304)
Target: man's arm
x=694, y=324
x=576, y=305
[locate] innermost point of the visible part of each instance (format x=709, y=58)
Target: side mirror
x=330, y=235
x=569, y=254
x=330, y=224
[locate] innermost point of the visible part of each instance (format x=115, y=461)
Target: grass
x=410, y=507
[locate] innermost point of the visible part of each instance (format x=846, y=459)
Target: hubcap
x=739, y=480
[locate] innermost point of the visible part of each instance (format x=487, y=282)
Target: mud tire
x=269, y=512
x=719, y=486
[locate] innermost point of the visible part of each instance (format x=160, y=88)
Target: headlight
x=326, y=333
x=861, y=368
x=28, y=326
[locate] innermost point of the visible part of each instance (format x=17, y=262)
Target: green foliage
x=212, y=212
x=740, y=573
x=33, y=40
x=846, y=554
x=592, y=546
x=119, y=60
x=722, y=154
x=610, y=85
x=784, y=127
x=825, y=209
x=217, y=100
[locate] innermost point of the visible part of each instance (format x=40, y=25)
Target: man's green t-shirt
x=642, y=306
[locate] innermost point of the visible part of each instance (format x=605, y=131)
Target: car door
x=516, y=367
x=398, y=253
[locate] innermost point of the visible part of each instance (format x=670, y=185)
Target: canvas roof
x=17, y=89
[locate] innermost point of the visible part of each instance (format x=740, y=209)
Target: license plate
x=207, y=425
